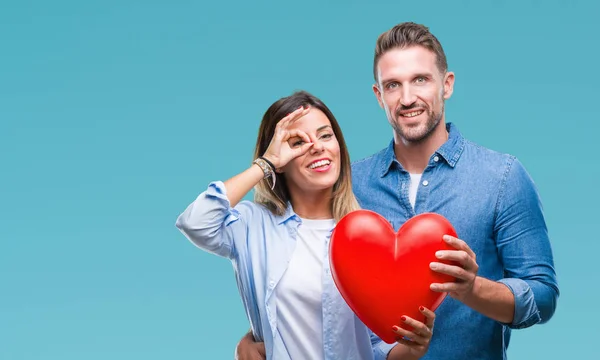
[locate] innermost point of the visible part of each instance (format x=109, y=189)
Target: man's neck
x=414, y=156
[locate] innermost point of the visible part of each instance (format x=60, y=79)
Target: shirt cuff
x=526, y=310
x=382, y=349
x=216, y=189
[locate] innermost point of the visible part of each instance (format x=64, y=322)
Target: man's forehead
x=416, y=59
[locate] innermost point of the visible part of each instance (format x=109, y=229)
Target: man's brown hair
x=406, y=35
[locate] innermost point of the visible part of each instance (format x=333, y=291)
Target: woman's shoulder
x=254, y=210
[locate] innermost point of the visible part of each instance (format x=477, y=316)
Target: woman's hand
x=416, y=342
x=280, y=151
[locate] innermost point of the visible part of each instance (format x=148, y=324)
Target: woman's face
x=319, y=168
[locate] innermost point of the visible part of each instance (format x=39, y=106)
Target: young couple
x=304, y=184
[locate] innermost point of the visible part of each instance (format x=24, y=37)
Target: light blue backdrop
x=114, y=115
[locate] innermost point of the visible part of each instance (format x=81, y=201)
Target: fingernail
x=433, y=266
x=395, y=328
x=439, y=254
x=421, y=308
x=403, y=318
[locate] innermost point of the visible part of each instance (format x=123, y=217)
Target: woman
x=279, y=243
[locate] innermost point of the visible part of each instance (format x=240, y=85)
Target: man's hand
x=248, y=349
x=490, y=298
x=465, y=270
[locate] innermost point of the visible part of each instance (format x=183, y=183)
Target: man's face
x=412, y=90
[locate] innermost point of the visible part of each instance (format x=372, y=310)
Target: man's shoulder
x=477, y=153
x=367, y=163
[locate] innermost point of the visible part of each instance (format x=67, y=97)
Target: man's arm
x=249, y=349
x=528, y=293
x=524, y=248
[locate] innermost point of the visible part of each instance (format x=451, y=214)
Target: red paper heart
x=383, y=275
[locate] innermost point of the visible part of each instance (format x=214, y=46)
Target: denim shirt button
x=425, y=182
x=436, y=159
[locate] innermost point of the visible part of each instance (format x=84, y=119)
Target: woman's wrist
x=269, y=161
x=267, y=168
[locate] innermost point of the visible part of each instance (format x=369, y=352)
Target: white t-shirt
x=299, y=293
x=415, y=179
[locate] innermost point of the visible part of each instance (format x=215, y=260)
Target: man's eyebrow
x=427, y=75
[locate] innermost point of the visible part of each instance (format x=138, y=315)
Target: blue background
x=115, y=114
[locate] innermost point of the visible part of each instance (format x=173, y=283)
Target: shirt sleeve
x=381, y=349
x=210, y=222
x=524, y=247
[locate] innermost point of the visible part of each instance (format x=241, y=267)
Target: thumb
x=304, y=148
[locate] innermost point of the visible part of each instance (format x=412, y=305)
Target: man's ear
x=377, y=92
x=448, y=85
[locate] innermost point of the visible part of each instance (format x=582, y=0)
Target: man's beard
x=421, y=132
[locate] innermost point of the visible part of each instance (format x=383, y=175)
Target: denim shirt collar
x=450, y=151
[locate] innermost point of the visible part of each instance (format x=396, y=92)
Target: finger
x=452, y=270
x=448, y=287
x=291, y=117
x=281, y=129
x=302, y=150
x=403, y=333
x=407, y=343
x=429, y=316
x=299, y=113
x=281, y=124
x=459, y=256
x=420, y=329
x=297, y=133
x=295, y=116
x=458, y=244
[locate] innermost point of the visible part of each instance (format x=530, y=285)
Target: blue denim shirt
x=260, y=245
x=494, y=206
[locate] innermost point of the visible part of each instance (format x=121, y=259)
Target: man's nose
x=407, y=96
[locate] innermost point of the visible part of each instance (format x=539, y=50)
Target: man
x=505, y=278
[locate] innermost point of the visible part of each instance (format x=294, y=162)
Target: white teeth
x=414, y=113
x=319, y=163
